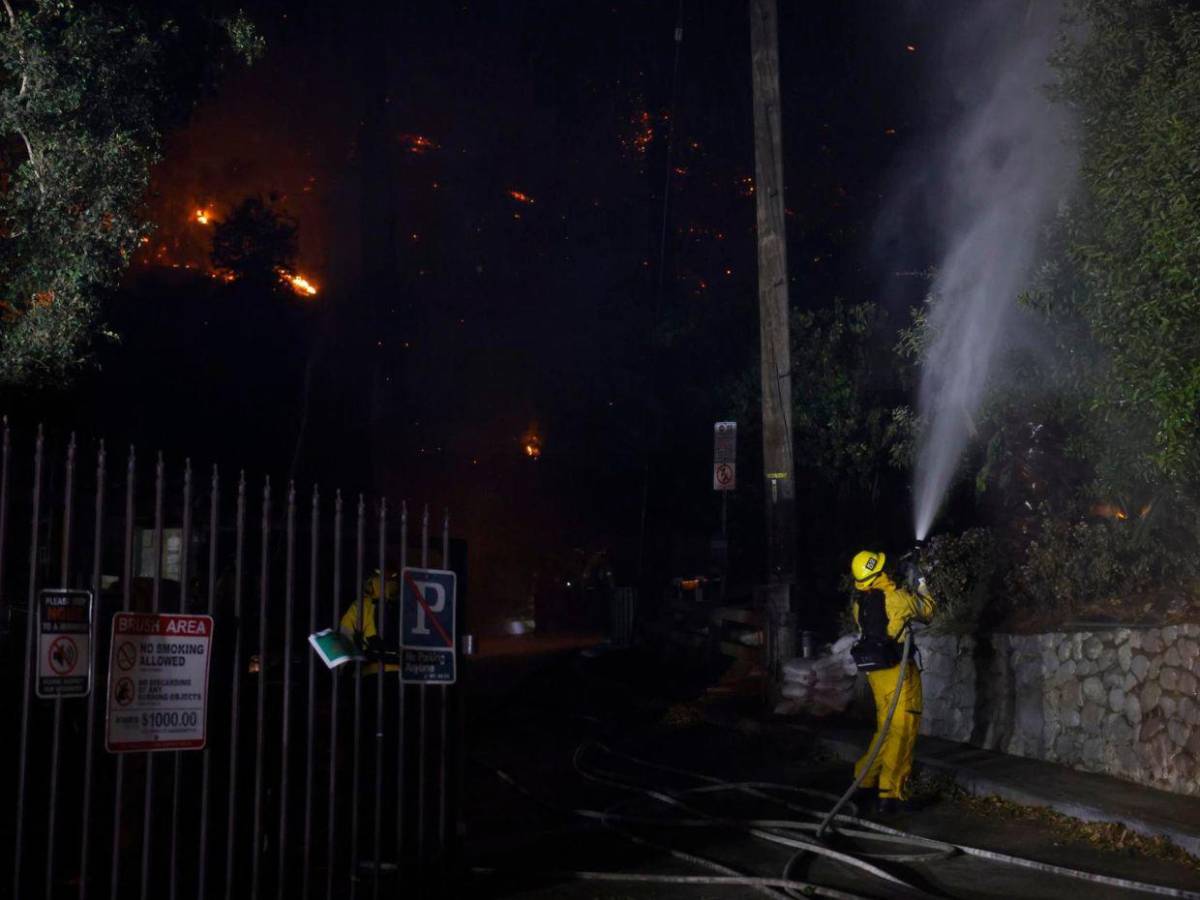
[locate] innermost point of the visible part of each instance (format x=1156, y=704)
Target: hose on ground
x=790, y=833
x=877, y=744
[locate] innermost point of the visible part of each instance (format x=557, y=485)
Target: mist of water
x=1005, y=167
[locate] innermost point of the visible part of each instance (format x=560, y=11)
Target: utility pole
x=774, y=333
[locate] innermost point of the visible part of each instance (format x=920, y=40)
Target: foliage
x=961, y=571
x=85, y=93
x=1089, y=560
x=1134, y=78
x=846, y=388
x=254, y=242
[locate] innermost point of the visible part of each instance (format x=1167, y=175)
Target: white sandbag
x=808, y=678
x=842, y=645
x=796, y=668
x=793, y=691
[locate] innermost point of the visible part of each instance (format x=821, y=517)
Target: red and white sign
x=724, y=456
x=64, y=625
x=158, y=682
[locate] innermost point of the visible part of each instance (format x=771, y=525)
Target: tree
x=1134, y=78
x=848, y=423
x=255, y=243
x=85, y=95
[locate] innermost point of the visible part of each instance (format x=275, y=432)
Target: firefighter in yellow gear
x=365, y=633
x=883, y=614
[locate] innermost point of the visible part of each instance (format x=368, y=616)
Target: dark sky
x=452, y=316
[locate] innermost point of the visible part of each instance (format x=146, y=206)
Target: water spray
x=1004, y=166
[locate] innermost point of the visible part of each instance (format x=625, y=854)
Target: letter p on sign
x=427, y=614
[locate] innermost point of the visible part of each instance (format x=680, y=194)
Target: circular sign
x=126, y=656
x=123, y=691
x=64, y=654
x=724, y=474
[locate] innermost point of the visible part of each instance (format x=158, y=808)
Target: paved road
x=538, y=708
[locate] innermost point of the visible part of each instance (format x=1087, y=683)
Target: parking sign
x=428, y=626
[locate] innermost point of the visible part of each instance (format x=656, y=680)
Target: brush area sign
x=158, y=682
x=64, y=643
x=724, y=456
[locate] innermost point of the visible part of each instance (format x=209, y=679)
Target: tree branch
x=12, y=24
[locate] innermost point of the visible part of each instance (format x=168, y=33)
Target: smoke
x=1003, y=164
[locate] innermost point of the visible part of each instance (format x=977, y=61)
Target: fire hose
x=877, y=745
x=791, y=833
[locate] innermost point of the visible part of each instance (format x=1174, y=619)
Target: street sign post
x=158, y=682
x=64, y=643
x=725, y=456
x=428, y=625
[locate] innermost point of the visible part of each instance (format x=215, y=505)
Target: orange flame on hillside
x=298, y=283
x=520, y=197
x=203, y=216
x=532, y=444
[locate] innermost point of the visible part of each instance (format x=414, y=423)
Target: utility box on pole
x=774, y=342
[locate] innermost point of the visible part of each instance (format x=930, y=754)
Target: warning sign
x=158, y=682
x=427, y=626
x=724, y=456
x=64, y=643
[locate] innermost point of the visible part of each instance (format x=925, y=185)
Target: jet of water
x=1008, y=164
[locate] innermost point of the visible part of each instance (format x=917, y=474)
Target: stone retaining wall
x=1122, y=701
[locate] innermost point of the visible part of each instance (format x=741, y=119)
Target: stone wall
x=1121, y=701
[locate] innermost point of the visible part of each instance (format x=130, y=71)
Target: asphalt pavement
x=566, y=742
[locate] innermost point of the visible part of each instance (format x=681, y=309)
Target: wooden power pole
x=774, y=333
x=775, y=345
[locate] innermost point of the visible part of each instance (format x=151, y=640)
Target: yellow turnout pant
x=894, y=762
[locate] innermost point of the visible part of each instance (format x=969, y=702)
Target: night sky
x=479, y=192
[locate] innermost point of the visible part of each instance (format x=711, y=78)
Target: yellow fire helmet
x=866, y=567
x=371, y=592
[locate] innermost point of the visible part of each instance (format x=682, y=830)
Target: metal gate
x=312, y=783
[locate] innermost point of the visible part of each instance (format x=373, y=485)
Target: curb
x=1085, y=796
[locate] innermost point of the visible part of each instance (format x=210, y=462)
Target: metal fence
x=312, y=783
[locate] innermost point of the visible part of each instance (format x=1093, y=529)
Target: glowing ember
x=520, y=197
x=746, y=185
x=298, y=283
x=203, y=216
x=531, y=443
x=911, y=48
x=642, y=137
x=1110, y=511
x=417, y=143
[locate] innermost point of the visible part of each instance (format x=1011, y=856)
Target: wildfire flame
x=1117, y=512
x=532, y=444
x=520, y=197
x=298, y=283
x=1109, y=511
x=203, y=216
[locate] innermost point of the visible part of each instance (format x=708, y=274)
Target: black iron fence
x=311, y=782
